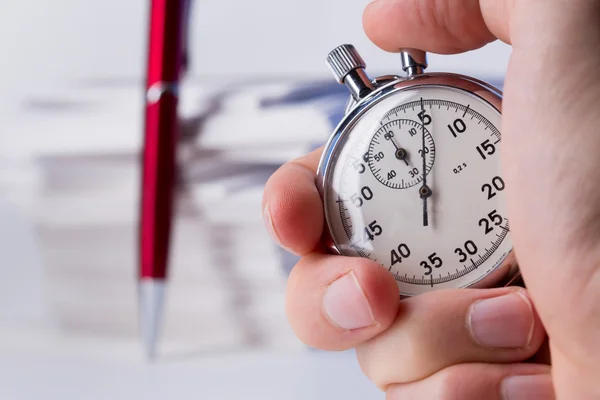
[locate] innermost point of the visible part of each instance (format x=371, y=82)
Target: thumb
x=551, y=159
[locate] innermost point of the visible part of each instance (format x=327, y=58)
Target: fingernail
x=346, y=305
x=269, y=223
x=266, y=214
x=528, y=388
x=502, y=322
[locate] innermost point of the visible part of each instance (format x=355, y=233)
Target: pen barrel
x=160, y=137
x=159, y=176
x=165, y=41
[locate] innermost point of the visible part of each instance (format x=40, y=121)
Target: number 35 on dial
x=413, y=182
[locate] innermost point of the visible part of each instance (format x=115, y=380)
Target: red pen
x=166, y=58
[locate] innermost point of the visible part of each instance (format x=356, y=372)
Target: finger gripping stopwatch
x=411, y=176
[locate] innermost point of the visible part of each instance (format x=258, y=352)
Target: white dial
x=415, y=185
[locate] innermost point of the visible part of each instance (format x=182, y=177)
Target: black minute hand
x=425, y=191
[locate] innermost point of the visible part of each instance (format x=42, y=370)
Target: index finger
x=292, y=206
x=437, y=26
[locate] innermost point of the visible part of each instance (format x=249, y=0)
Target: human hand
x=338, y=303
x=551, y=168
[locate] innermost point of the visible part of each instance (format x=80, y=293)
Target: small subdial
x=396, y=153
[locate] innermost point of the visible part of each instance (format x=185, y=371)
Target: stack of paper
x=71, y=166
x=255, y=131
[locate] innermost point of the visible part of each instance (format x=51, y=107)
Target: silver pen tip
x=152, y=295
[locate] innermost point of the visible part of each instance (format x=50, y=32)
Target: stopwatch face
x=415, y=185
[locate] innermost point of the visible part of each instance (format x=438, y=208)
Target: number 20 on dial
x=411, y=177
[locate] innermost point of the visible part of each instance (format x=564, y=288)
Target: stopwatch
x=411, y=177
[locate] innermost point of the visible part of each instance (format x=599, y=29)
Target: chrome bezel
x=508, y=272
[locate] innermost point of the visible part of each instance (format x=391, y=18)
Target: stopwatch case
x=386, y=86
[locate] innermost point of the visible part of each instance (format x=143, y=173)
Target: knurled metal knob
x=343, y=60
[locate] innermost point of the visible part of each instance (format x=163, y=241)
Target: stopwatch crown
x=343, y=60
x=348, y=68
x=413, y=61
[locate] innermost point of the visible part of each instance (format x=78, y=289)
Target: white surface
x=71, y=180
x=273, y=129
x=315, y=376
x=23, y=286
x=49, y=43
x=67, y=333
x=109, y=121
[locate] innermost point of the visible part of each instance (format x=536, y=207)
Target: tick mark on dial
x=349, y=180
x=473, y=262
x=466, y=111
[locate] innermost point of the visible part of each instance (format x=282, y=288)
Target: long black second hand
x=425, y=188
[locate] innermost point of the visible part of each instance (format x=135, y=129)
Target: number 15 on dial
x=411, y=179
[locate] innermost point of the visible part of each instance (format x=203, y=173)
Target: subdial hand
x=400, y=153
x=425, y=191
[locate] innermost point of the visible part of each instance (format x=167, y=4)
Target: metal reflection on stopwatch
x=435, y=135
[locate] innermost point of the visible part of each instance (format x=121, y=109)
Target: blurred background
x=257, y=94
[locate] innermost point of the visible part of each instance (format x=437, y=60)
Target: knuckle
x=457, y=382
x=393, y=357
x=372, y=367
x=450, y=382
x=416, y=345
x=467, y=381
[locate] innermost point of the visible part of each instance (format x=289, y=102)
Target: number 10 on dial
x=411, y=179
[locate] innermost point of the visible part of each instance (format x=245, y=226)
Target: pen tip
x=152, y=293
